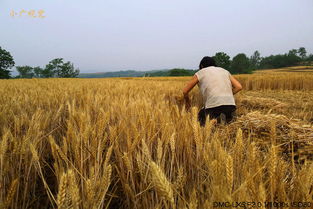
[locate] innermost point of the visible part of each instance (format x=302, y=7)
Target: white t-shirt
x=215, y=87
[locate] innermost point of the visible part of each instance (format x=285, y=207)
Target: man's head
x=207, y=62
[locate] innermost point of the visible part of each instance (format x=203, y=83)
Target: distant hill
x=127, y=73
x=179, y=72
x=133, y=73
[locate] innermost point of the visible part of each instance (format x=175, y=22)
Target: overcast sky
x=111, y=35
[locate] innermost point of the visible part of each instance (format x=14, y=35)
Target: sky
x=112, y=35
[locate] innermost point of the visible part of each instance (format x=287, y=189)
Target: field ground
x=129, y=143
x=297, y=69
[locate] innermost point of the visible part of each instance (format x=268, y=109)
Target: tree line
x=56, y=68
x=241, y=63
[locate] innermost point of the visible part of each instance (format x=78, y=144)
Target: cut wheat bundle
x=288, y=132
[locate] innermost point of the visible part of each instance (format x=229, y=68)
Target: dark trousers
x=223, y=113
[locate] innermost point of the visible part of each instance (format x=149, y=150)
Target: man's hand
x=187, y=102
x=187, y=89
x=235, y=84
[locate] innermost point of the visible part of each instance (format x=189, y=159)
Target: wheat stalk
x=62, y=193
x=229, y=172
x=11, y=193
x=160, y=182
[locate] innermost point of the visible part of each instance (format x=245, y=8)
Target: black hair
x=207, y=62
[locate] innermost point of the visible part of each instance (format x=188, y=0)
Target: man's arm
x=235, y=84
x=188, y=88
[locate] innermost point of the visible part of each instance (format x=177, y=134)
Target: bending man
x=217, y=88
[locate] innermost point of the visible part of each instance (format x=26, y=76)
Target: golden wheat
x=130, y=143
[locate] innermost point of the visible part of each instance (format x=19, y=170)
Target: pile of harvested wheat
x=290, y=135
x=260, y=102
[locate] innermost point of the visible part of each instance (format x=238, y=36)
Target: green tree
x=280, y=60
x=222, y=60
x=53, y=68
x=292, y=58
x=38, y=72
x=310, y=57
x=255, y=60
x=25, y=71
x=302, y=53
x=240, y=64
x=57, y=68
x=68, y=71
x=47, y=72
x=293, y=52
x=6, y=62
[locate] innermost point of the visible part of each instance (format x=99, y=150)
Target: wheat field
x=130, y=143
